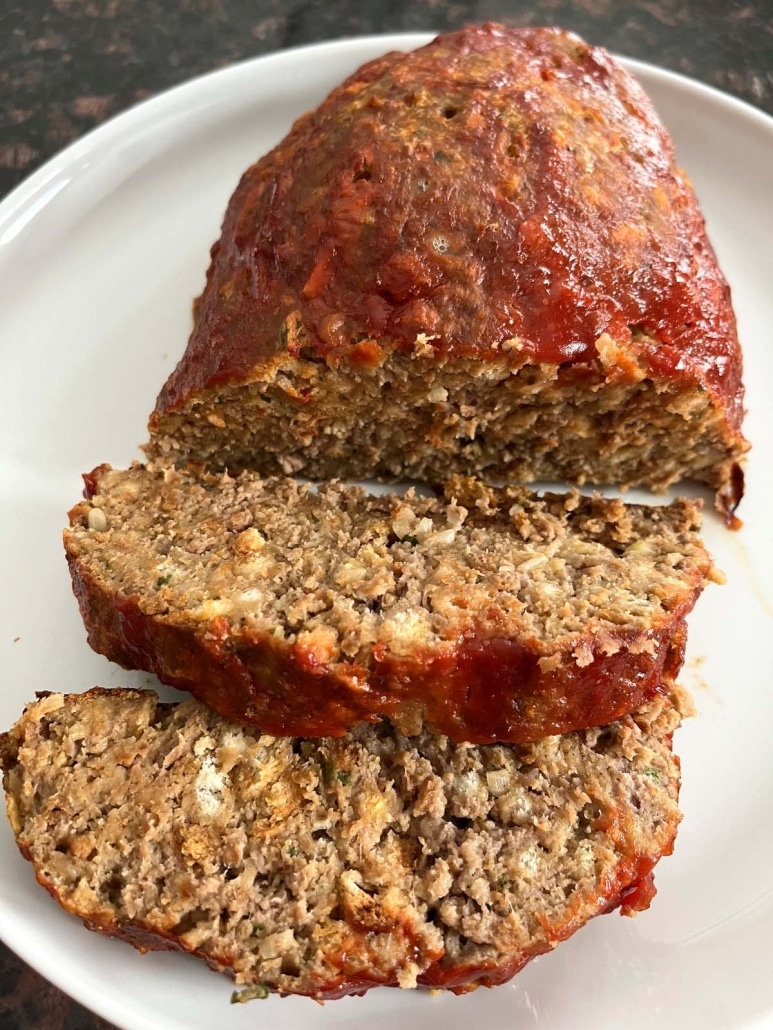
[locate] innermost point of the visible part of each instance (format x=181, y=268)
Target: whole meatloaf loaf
x=488, y=615
x=327, y=867
x=479, y=257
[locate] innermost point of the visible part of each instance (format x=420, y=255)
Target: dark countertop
x=66, y=65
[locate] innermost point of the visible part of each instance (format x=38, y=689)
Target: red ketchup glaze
x=495, y=184
x=91, y=480
x=638, y=897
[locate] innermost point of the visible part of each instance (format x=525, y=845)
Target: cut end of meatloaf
x=479, y=257
x=328, y=867
x=303, y=611
x=425, y=419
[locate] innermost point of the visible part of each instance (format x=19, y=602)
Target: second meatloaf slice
x=488, y=615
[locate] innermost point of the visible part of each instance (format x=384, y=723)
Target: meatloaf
x=481, y=258
x=487, y=615
x=331, y=866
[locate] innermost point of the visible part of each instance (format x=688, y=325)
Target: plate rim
x=28, y=201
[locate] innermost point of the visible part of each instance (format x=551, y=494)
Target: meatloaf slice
x=488, y=615
x=327, y=867
x=479, y=257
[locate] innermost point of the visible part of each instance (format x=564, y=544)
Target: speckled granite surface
x=66, y=65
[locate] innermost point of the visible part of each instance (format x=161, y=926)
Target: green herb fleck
x=252, y=993
x=259, y=927
x=345, y=778
x=412, y=540
x=328, y=771
x=164, y=581
x=292, y=851
x=504, y=883
x=654, y=774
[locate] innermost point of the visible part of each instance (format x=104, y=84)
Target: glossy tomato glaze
x=479, y=690
x=508, y=193
x=631, y=889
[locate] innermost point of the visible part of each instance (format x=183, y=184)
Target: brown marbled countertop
x=66, y=65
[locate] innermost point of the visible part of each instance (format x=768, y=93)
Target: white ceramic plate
x=101, y=252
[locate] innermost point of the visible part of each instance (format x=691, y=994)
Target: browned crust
x=480, y=690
